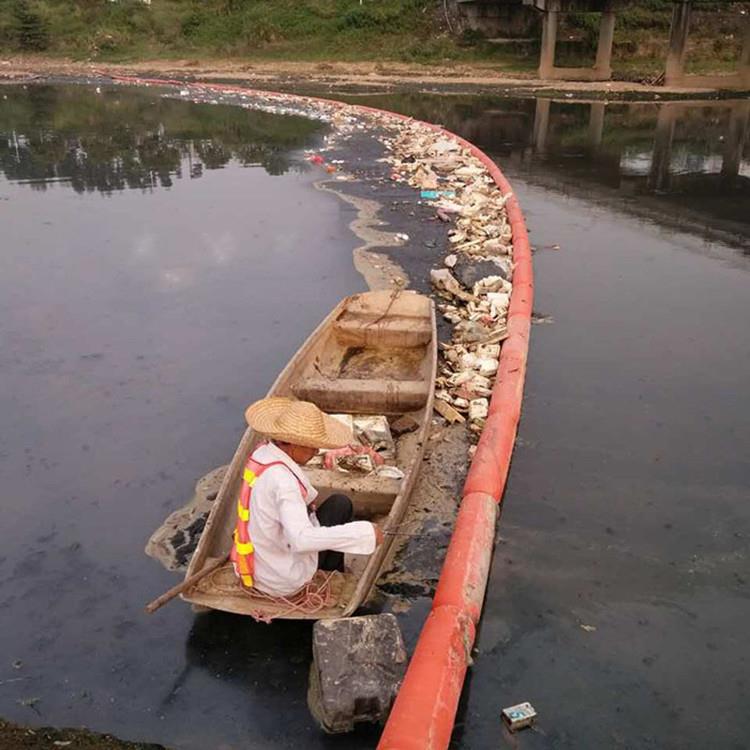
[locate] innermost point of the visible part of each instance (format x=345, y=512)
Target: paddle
x=189, y=582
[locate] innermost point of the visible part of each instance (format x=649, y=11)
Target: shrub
x=361, y=17
x=28, y=28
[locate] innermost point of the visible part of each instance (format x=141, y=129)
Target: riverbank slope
x=354, y=77
x=415, y=32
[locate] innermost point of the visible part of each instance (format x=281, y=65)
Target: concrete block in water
x=358, y=664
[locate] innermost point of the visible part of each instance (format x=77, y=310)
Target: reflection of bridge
x=680, y=164
x=735, y=136
x=707, y=191
x=483, y=14
x=660, y=177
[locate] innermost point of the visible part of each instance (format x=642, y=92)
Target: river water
x=140, y=237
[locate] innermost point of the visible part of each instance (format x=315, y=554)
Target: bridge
x=490, y=15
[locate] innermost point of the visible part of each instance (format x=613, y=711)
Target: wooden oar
x=189, y=582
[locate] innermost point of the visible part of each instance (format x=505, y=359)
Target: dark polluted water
x=160, y=263
x=144, y=301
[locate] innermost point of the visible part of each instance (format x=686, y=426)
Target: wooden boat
x=376, y=354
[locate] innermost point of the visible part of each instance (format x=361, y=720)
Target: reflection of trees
x=123, y=139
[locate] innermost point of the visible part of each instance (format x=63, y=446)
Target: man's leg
x=337, y=509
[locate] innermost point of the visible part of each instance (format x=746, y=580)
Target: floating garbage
x=519, y=716
x=433, y=195
x=472, y=358
x=475, y=282
x=479, y=408
x=391, y=472
x=376, y=433
x=403, y=425
x=357, y=463
x=443, y=280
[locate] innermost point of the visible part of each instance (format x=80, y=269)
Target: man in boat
x=282, y=537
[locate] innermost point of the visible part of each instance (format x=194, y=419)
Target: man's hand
x=378, y=535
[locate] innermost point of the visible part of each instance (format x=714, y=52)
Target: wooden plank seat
x=363, y=396
x=364, y=330
x=385, y=319
x=372, y=495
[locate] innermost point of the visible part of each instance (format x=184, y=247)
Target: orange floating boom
x=425, y=709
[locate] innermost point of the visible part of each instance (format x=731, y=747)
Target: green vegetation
x=22, y=24
x=642, y=33
x=313, y=30
x=347, y=30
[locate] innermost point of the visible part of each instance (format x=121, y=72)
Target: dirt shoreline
x=370, y=76
x=15, y=737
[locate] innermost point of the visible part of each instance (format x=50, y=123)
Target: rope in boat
x=313, y=597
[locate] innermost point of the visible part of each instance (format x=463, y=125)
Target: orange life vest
x=243, y=552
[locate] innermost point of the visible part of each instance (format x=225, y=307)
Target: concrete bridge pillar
x=549, y=42
x=603, y=65
x=551, y=10
x=744, y=66
x=678, y=36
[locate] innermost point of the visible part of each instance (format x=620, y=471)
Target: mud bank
x=354, y=77
x=14, y=737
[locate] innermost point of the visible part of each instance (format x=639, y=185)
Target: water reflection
x=136, y=325
x=120, y=139
x=674, y=161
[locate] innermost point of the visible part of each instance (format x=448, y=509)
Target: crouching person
x=282, y=537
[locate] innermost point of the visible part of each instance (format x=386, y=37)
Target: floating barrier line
x=424, y=713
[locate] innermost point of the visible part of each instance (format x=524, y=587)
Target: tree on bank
x=27, y=28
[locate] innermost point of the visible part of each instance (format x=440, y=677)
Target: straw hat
x=298, y=422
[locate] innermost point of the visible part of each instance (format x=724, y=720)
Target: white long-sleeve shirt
x=286, y=535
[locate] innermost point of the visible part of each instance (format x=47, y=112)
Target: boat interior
x=374, y=355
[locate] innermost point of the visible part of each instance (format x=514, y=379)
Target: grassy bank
x=420, y=31
x=268, y=29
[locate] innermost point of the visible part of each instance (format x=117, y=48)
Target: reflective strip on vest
x=243, y=513
x=244, y=548
x=244, y=571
